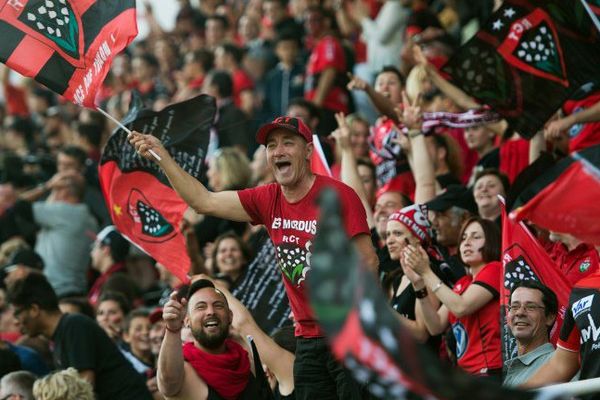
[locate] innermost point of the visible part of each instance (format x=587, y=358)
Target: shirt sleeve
x=330, y=55
x=254, y=200
x=569, y=334
x=489, y=278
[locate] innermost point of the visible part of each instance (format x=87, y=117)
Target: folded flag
x=66, y=45
x=143, y=205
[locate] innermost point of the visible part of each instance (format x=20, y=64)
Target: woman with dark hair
x=471, y=306
x=490, y=183
x=230, y=258
x=110, y=313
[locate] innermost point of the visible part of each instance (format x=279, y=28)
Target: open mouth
x=212, y=324
x=283, y=166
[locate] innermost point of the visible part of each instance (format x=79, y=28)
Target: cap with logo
x=292, y=124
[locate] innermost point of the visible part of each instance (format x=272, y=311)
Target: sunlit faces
x=385, y=205
x=230, y=258
x=288, y=155
x=486, y=191
x=527, y=318
x=397, y=236
x=389, y=85
x=210, y=317
x=137, y=336
x=471, y=245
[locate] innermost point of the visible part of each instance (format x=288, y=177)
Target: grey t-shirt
x=521, y=368
x=64, y=241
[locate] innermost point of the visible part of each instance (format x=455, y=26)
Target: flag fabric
x=527, y=59
x=367, y=336
x=262, y=290
x=564, y=199
x=523, y=258
x=318, y=162
x=142, y=204
x=66, y=45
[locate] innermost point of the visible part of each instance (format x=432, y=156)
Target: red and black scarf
x=228, y=373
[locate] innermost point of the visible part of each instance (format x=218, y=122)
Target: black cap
x=119, y=246
x=454, y=196
x=26, y=257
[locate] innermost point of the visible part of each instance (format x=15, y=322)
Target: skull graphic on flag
x=55, y=20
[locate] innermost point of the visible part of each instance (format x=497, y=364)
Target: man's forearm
x=170, y=365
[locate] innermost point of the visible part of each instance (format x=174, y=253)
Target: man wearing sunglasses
x=531, y=314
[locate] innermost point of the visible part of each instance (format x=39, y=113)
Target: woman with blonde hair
x=229, y=169
x=63, y=385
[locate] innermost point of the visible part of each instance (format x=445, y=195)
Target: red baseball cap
x=289, y=123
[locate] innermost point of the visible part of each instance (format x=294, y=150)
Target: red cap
x=156, y=315
x=289, y=123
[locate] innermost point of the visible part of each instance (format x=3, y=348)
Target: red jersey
x=575, y=264
x=292, y=228
x=241, y=82
x=478, y=344
x=586, y=134
x=327, y=53
x=391, y=167
x=514, y=157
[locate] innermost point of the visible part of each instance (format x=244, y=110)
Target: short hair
x=203, y=57
x=19, y=381
x=234, y=167
x=63, y=385
x=221, y=18
x=91, y=132
x=229, y=235
x=234, y=51
x=495, y=172
x=392, y=69
x=118, y=298
x=81, y=303
x=202, y=284
x=222, y=81
x=286, y=35
x=309, y=106
x=367, y=163
x=548, y=296
x=149, y=59
x=33, y=289
x=137, y=313
x=75, y=152
x=493, y=240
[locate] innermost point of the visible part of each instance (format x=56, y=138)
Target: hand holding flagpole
x=113, y=119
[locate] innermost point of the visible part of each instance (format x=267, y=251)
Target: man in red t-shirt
x=287, y=209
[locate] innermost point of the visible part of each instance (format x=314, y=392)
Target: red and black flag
x=67, y=45
x=366, y=335
x=142, y=203
x=528, y=58
x=565, y=198
x=523, y=258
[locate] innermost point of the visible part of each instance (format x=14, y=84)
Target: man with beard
x=212, y=366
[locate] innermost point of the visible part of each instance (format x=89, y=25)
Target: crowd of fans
x=78, y=299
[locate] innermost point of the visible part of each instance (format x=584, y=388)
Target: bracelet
x=413, y=133
x=437, y=287
x=421, y=294
x=174, y=330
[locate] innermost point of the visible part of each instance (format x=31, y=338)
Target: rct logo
x=276, y=223
x=582, y=305
x=462, y=339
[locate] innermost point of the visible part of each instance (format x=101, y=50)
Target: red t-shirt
x=575, y=264
x=393, y=174
x=478, y=345
x=327, y=53
x=514, y=157
x=586, y=134
x=292, y=228
x=241, y=82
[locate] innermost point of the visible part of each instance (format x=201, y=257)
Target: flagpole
x=113, y=119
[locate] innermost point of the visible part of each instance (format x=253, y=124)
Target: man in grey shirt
x=67, y=231
x=532, y=311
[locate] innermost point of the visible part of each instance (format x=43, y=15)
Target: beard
x=210, y=340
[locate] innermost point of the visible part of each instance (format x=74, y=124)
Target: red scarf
x=227, y=373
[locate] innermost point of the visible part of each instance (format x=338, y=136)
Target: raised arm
x=171, y=372
x=349, y=170
x=224, y=204
x=381, y=103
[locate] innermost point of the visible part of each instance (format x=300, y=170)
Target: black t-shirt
x=581, y=327
x=80, y=343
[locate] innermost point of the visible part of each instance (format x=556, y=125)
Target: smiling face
x=529, y=326
x=109, y=313
x=230, y=258
x=479, y=138
x=385, y=205
x=288, y=156
x=486, y=191
x=471, y=245
x=138, y=336
x=396, y=237
x=210, y=317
